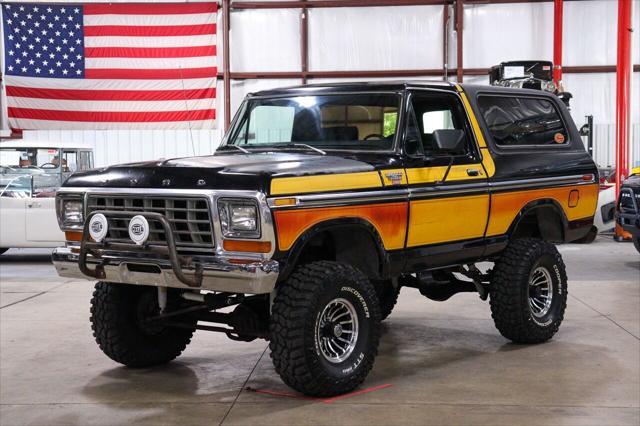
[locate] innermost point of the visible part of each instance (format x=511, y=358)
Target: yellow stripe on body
x=436, y=174
x=487, y=160
x=447, y=219
x=325, y=183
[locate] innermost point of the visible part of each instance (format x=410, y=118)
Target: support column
x=445, y=42
x=226, y=21
x=623, y=91
x=557, y=42
x=459, y=37
x=304, y=43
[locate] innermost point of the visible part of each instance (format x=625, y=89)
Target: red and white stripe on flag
x=144, y=66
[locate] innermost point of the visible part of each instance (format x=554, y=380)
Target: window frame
x=532, y=147
x=473, y=156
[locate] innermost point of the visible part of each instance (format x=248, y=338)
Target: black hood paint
x=632, y=181
x=225, y=170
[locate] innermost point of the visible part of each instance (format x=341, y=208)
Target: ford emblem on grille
x=139, y=229
x=98, y=227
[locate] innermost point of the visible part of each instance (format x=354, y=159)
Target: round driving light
x=98, y=227
x=139, y=229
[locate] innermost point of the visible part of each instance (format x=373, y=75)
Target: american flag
x=110, y=66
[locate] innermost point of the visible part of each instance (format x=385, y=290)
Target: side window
x=70, y=161
x=431, y=112
x=522, y=121
x=85, y=161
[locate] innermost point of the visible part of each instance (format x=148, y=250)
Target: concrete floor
x=445, y=362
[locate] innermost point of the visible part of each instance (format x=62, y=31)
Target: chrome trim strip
x=266, y=220
x=558, y=181
x=348, y=198
x=340, y=199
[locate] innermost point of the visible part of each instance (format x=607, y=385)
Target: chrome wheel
x=540, y=292
x=337, y=330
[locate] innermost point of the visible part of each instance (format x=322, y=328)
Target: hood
x=239, y=171
x=632, y=181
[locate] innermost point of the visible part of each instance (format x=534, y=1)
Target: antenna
x=186, y=104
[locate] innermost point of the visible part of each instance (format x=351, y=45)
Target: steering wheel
x=48, y=166
x=374, y=135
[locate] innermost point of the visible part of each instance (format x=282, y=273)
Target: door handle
x=473, y=172
x=34, y=205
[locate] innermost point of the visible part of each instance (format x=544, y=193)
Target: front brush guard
x=177, y=262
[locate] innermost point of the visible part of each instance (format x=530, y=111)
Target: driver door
x=449, y=199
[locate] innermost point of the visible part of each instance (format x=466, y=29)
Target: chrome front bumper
x=218, y=274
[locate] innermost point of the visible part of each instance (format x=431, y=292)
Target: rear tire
x=118, y=313
x=528, y=291
x=313, y=352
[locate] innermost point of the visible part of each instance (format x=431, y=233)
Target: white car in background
x=30, y=174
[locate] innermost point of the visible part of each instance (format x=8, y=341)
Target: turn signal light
x=247, y=246
x=73, y=236
x=285, y=202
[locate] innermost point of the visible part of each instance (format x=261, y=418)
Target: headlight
x=72, y=212
x=239, y=218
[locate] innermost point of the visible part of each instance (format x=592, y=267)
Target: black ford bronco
x=319, y=205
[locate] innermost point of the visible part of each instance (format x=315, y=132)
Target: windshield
x=29, y=160
x=348, y=122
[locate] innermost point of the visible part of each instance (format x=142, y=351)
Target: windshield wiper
x=236, y=147
x=304, y=145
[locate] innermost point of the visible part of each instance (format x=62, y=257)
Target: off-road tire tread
x=388, y=299
x=115, y=336
x=287, y=343
x=511, y=318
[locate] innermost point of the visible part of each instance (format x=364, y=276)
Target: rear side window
x=523, y=121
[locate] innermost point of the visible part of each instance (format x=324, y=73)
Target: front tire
x=118, y=314
x=325, y=328
x=528, y=291
x=388, y=296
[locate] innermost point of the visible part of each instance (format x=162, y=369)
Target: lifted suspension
x=247, y=322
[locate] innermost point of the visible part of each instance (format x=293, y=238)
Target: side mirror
x=449, y=140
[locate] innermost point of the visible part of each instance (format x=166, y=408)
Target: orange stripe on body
x=505, y=206
x=390, y=220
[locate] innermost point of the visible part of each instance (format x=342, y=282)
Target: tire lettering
x=360, y=298
x=555, y=268
x=355, y=364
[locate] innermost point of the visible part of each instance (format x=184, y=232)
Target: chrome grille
x=190, y=217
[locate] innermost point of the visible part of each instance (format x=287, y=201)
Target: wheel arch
x=543, y=218
x=352, y=240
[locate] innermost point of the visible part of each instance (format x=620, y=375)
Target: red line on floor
x=326, y=401
x=278, y=393
x=360, y=392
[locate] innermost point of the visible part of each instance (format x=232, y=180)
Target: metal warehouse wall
x=408, y=37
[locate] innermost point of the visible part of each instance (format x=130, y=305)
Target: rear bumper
x=255, y=277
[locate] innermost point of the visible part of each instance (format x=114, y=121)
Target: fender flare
x=536, y=205
x=290, y=257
